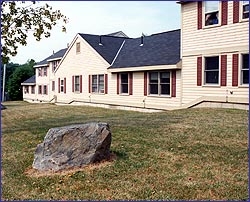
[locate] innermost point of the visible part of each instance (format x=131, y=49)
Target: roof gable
x=157, y=49
x=106, y=46
x=119, y=34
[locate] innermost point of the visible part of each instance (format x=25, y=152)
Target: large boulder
x=73, y=146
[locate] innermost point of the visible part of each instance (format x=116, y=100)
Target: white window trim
x=240, y=75
x=98, y=90
x=204, y=14
x=120, y=83
x=241, y=13
x=203, y=72
x=160, y=95
x=76, y=91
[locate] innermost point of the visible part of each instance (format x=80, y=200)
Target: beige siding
x=89, y=62
x=214, y=39
x=85, y=63
x=226, y=40
x=192, y=92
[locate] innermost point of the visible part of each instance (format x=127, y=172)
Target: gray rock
x=73, y=146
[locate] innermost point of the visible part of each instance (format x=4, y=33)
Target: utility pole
x=4, y=75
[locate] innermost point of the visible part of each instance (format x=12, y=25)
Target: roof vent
x=141, y=40
x=100, y=41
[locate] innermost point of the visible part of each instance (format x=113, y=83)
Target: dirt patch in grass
x=31, y=172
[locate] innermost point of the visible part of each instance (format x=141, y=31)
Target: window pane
x=212, y=77
x=245, y=77
x=165, y=77
x=211, y=6
x=153, y=77
x=245, y=61
x=94, y=88
x=212, y=63
x=94, y=79
x=246, y=8
x=77, y=80
x=153, y=89
x=124, y=88
x=165, y=89
x=124, y=78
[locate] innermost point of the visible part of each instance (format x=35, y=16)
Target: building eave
x=144, y=68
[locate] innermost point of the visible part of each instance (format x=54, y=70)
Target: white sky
x=102, y=17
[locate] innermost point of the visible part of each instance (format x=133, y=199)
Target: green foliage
x=18, y=18
x=10, y=68
x=19, y=75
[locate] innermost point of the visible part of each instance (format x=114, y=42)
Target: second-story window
x=54, y=65
x=245, y=9
x=45, y=71
x=211, y=13
x=39, y=71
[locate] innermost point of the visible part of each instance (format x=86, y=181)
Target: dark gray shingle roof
x=31, y=80
x=58, y=54
x=108, y=49
x=157, y=49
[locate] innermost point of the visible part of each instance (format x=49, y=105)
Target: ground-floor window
x=77, y=84
x=159, y=83
x=45, y=90
x=124, y=83
x=26, y=89
x=245, y=69
x=53, y=86
x=62, y=85
x=32, y=89
x=97, y=83
x=39, y=89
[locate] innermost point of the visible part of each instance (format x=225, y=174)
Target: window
x=39, y=71
x=78, y=48
x=77, y=83
x=211, y=71
x=45, y=71
x=45, y=90
x=39, y=89
x=124, y=83
x=159, y=83
x=245, y=9
x=245, y=69
x=61, y=86
x=211, y=12
x=32, y=89
x=98, y=83
x=53, y=86
x=54, y=65
x=26, y=89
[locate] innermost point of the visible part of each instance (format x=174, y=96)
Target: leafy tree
x=20, y=74
x=18, y=18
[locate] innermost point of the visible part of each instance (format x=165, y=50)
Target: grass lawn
x=191, y=154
